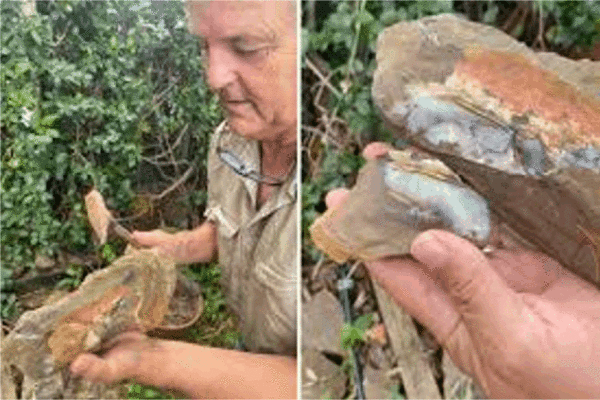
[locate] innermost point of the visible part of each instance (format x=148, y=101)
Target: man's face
x=250, y=55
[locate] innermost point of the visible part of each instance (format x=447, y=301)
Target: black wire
x=344, y=286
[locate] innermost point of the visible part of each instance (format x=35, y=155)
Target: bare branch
x=174, y=186
x=324, y=80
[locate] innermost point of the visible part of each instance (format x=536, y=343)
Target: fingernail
x=428, y=249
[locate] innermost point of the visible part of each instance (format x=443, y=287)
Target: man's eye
x=244, y=48
x=246, y=51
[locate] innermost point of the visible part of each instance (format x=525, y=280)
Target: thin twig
x=220, y=329
x=305, y=294
x=177, y=143
x=322, y=134
x=65, y=32
x=354, y=268
x=165, y=163
x=160, y=171
x=313, y=163
x=349, y=68
x=172, y=156
x=324, y=80
x=174, y=186
x=157, y=100
x=361, y=299
x=327, y=119
x=394, y=372
x=540, y=35
x=510, y=21
x=317, y=267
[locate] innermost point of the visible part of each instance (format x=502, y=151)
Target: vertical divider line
x=298, y=200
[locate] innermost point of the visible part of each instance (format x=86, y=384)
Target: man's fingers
x=336, y=197
x=376, y=150
x=373, y=150
x=97, y=369
x=117, y=364
x=417, y=293
x=479, y=294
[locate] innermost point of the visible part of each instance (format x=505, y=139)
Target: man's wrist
x=199, y=371
x=201, y=243
x=191, y=246
x=154, y=365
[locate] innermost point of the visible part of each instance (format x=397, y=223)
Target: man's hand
x=516, y=320
x=124, y=360
x=167, y=243
x=198, y=245
x=197, y=371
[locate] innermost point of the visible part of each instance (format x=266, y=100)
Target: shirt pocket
x=229, y=252
x=275, y=276
x=275, y=301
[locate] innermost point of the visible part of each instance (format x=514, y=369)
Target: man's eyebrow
x=263, y=35
x=251, y=39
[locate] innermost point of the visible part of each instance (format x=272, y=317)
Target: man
x=516, y=320
x=250, y=53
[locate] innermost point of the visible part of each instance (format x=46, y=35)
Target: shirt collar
x=249, y=151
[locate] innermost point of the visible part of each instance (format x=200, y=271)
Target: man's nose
x=220, y=68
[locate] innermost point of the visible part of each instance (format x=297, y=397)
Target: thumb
x=97, y=369
x=480, y=296
x=336, y=197
x=376, y=150
x=120, y=362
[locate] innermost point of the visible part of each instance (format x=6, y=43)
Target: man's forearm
x=205, y=372
x=197, y=245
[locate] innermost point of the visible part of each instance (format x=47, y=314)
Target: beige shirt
x=257, y=247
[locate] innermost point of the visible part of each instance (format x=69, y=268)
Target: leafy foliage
x=138, y=391
x=338, y=52
x=577, y=23
x=353, y=334
x=74, y=277
x=337, y=170
x=87, y=87
x=108, y=253
x=106, y=94
x=217, y=326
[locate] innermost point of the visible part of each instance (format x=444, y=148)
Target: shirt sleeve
x=211, y=212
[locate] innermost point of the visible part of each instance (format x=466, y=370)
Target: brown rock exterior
x=132, y=293
x=394, y=199
x=524, y=87
x=522, y=129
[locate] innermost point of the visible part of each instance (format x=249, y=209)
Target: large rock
x=522, y=129
x=322, y=321
x=138, y=291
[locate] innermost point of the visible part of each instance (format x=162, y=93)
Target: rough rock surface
x=395, y=199
x=134, y=292
x=322, y=321
x=522, y=129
